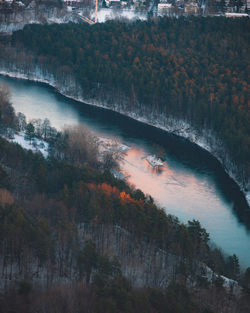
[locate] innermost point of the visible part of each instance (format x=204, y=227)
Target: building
x=113, y=3
x=164, y=7
x=191, y=8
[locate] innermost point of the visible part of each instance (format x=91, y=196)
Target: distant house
x=191, y=8
x=72, y=3
x=164, y=7
x=19, y=3
x=112, y=3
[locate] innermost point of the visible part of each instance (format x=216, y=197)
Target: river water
x=192, y=185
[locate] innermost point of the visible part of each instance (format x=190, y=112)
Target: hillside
x=72, y=228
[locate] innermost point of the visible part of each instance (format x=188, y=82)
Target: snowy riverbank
x=205, y=139
x=35, y=145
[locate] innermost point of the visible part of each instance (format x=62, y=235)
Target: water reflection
x=191, y=185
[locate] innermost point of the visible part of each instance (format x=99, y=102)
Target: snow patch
x=109, y=14
x=35, y=145
x=229, y=284
x=108, y=144
x=154, y=161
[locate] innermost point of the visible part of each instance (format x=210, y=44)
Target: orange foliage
x=109, y=190
x=125, y=197
x=104, y=188
x=234, y=80
x=211, y=97
x=136, y=60
x=235, y=99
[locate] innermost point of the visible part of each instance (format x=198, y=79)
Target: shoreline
x=186, y=132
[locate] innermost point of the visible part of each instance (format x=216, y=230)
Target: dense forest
x=70, y=228
x=195, y=69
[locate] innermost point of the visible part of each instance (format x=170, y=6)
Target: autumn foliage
x=114, y=192
x=195, y=69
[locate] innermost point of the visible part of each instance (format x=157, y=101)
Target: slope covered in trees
x=69, y=228
x=195, y=69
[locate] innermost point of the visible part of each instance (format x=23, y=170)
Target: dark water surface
x=192, y=186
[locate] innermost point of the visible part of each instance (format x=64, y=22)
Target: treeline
x=7, y=113
x=195, y=69
x=114, y=294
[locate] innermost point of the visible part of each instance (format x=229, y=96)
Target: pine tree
x=30, y=131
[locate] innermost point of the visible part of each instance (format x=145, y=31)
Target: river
x=192, y=185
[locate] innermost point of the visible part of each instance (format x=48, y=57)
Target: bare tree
x=21, y=121
x=7, y=113
x=81, y=145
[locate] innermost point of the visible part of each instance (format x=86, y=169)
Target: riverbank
x=204, y=139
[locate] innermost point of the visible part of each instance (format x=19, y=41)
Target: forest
x=70, y=228
x=195, y=69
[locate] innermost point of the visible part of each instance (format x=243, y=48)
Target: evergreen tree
x=233, y=267
x=30, y=131
x=87, y=260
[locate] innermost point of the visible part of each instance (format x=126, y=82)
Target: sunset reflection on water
x=172, y=187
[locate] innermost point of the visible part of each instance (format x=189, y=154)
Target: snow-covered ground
x=205, y=139
x=110, y=14
x=108, y=144
x=154, y=161
x=35, y=145
x=229, y=284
